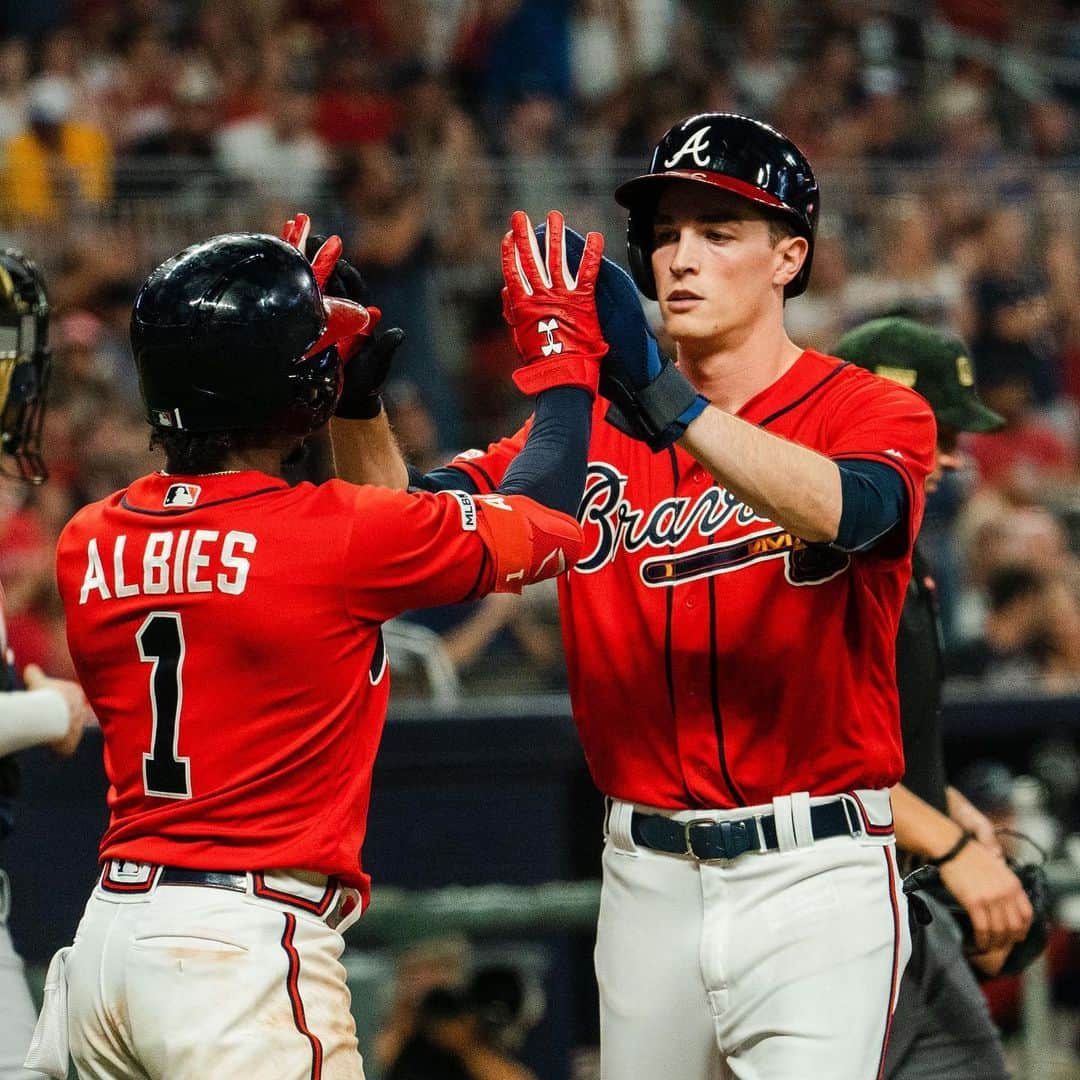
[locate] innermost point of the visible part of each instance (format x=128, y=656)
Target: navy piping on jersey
x=714, y=691
x=669, y=607
x=292, y=986
x=476, y=586
x=201, y=506
x=809, y=393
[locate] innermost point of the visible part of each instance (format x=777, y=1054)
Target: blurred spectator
x=909, y=280
x=1012, y=646
x=460, y=1033
x=14, y=88
x=390, y=235
x=761, y=72
x=276, y=154
x=58, y=165
x=438, y=962
x=353, y=108
x=180, y=160
x=1028, y=458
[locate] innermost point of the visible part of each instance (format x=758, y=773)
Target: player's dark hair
x=780, y=228
x=189, y=453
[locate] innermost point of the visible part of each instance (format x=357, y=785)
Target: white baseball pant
x=183, y=982
x=17, y=1013
x=776, y=965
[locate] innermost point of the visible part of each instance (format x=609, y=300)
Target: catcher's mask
x=25, y=363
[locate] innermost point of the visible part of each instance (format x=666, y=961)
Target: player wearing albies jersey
x=226, y=627
x=748, y=518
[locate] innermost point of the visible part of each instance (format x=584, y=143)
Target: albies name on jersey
x=171, y=561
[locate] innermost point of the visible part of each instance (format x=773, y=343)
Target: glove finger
x=517, y=284
x=528, y=254
x=573, y=245
x=590, y=260
x=507, y=307
x=555, y=252
x=325, y=258
x=296, y=232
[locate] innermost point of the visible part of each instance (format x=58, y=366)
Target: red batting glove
x=295, y=231
x=552, y=316
x=349, y=325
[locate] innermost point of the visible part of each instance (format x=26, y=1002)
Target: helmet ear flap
x=639, y=252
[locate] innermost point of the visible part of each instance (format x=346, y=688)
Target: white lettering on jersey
x=494, y=500
x=237, y=563
x=697, y=146
x=122, y=588
x=95, y=574
x=176, y=562
x=159, y=547
x=197, y=559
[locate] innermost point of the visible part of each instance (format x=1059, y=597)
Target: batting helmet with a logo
x=736, y=154
x=229, y=335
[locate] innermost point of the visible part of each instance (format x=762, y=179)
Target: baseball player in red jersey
x=226, y=627
x=729, y=628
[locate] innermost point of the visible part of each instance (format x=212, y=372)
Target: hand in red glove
x=350, y=325
x=552, y=316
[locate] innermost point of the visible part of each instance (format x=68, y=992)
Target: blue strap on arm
x=874, y=503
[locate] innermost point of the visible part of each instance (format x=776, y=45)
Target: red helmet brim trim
x=628, y=193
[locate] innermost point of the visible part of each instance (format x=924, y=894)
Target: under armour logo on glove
x=542, y=296
x=549, y=328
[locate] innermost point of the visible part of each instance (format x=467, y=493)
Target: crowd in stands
x=945, y=135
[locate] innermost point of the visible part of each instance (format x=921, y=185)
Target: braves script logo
x=697, y=146
x=549, y=327
x=618, y=524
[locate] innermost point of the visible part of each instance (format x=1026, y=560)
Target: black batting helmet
x=25, y=362
x=229, y=336
x=736, y=154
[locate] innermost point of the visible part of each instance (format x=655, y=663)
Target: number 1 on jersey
x=161, y=643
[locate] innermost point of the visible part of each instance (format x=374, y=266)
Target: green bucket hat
x=931, y=363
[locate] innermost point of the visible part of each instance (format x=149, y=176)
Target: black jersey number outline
x=161, y=643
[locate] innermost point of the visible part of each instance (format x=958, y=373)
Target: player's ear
x=789, y=253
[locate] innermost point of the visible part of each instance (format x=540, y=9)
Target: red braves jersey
x=715, y=659
x=226, y=630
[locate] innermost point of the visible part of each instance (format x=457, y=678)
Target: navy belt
x=706, y=840
x=235, y=881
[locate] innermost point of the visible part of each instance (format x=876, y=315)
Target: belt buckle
x=735, y=838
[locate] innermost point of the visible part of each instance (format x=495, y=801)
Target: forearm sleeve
x=551, y=465
x=874, y=503
x=30, y=717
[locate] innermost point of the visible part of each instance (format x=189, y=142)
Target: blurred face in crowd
x=947, y=457
x=720, y=268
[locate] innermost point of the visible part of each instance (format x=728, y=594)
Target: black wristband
x=965, y=838
x=364, y=408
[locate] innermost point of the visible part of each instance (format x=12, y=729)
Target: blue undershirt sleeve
x=445, y=479
x=874, y=503
x=549, y=468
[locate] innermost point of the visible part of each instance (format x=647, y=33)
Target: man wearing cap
x=58, y=163
x=942, y=1027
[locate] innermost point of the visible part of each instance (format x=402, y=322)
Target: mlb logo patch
x=182, y=495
